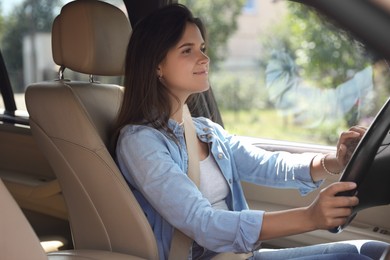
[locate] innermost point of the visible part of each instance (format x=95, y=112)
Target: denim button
x=220, y=155
x=209, y=136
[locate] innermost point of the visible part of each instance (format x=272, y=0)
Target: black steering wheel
x=369, y=167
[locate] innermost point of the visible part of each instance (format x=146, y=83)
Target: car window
x=280, y=70
x=25, y=42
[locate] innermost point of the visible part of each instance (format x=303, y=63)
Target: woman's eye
x=186, y=51
x=203, y=49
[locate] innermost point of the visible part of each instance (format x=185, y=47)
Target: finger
x=337, y=187
x=360, y=129
x=331, y=222
x=346, y=202
x=354, y=131
x=341, y=151
x=340, y=213
x=350, y=139
x=344, y=153
x=341, y=154
x=350, y=135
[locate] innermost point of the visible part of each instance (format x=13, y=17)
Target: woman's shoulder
x=132, y=129
x=203, y=123
x=139, y=132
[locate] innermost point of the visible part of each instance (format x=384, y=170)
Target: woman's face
x=185, y=68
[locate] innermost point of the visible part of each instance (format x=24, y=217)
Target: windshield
x=282, y=71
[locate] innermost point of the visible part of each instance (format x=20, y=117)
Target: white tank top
x=213, y=184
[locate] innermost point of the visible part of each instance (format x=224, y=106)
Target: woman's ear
x=159, y=72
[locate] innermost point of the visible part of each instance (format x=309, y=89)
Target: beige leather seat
x=71, y=123
x=18, y=240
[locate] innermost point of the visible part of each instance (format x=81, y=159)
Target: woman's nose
x=204, y=59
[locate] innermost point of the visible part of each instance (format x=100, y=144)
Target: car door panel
x=27, y=174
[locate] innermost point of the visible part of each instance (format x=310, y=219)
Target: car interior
x=58, y=180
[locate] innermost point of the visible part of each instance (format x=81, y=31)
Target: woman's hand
x=347, y=143
x=328, y=210
x=334, y=163
x=325, y=212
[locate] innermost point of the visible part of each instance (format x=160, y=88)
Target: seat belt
x=192, y=147
x=181, y=243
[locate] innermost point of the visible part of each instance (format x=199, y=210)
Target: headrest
x=91, y=37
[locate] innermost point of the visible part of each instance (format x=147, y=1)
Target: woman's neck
x=178, y=114
x=177, y=108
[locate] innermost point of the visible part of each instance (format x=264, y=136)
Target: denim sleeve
x=153, y=165
x=276, y=169
x=273, y=169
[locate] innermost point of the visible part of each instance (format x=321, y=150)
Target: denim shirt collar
x=178, y=129
x=205, y=133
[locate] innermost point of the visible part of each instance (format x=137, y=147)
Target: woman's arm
x=327, y=211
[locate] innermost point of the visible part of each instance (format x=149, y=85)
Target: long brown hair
x=146, y=99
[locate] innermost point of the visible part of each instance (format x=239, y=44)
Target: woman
x=165, y=65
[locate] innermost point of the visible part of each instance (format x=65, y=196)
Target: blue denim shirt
x=155, y=168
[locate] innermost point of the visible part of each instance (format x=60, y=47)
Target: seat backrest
x=71, y=122
x=17, y=238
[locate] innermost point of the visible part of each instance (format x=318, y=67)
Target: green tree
x=316, y=45
x=220, y=20
x=325, y=55
x=1, y=21
x=29, y=17
x=1, y=36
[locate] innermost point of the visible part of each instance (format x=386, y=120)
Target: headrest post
x=61, y=72
x=91, y=79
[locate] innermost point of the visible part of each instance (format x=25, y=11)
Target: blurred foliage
x=2, y=26
x=220, y=20
x=29, y=17
x=32, y=16
x=267, y=123
x=239, y=91
x=325, y=54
